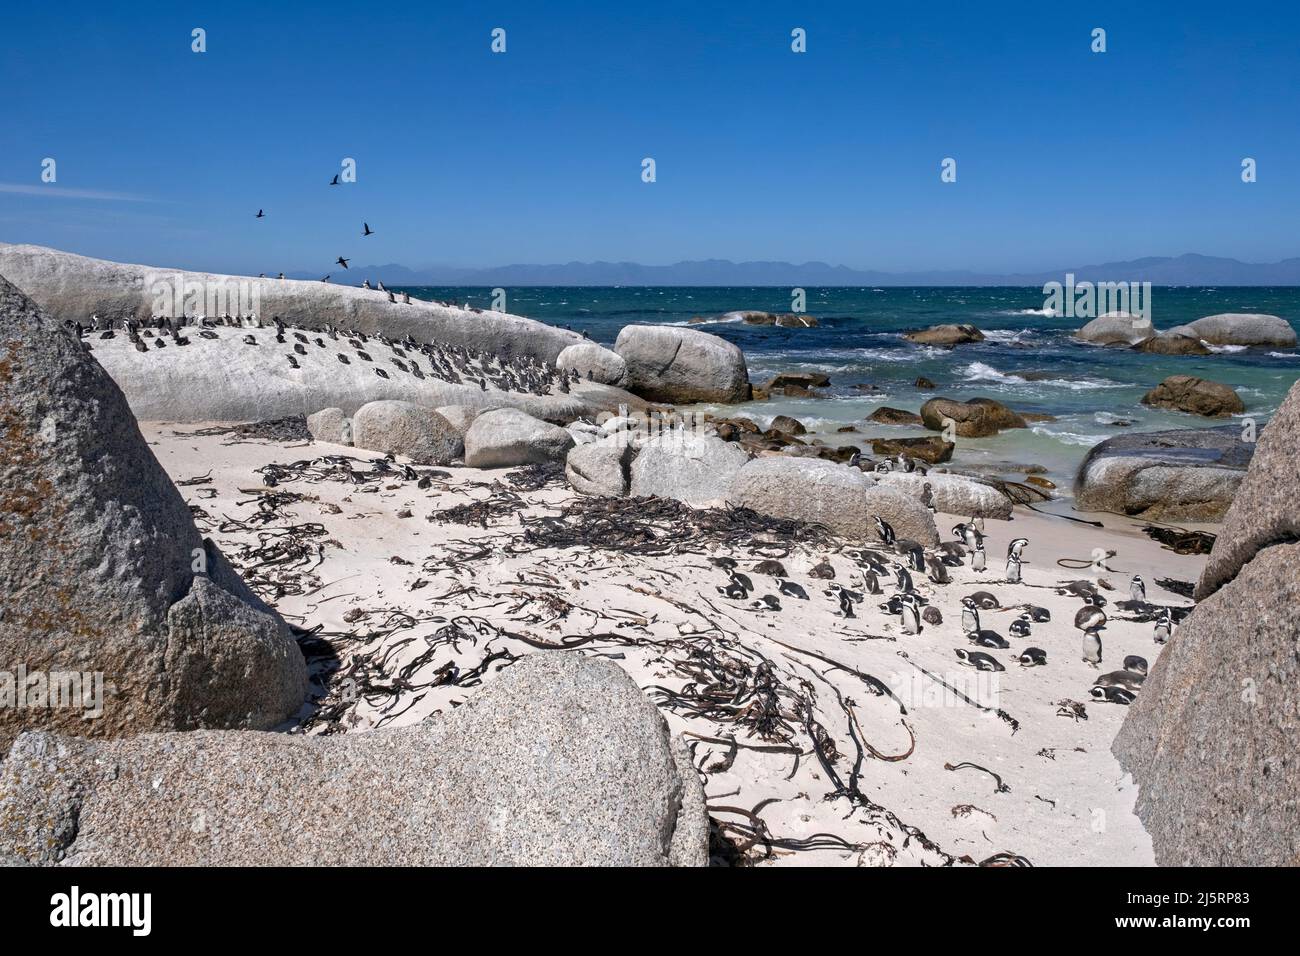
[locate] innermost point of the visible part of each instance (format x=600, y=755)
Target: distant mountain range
x=1189, y=269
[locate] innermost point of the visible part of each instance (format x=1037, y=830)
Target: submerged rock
x=1196, y=396
x=102, y=570
x=785, y=320
x=1173, y=342
x=1187, y=474
x=560, y=760
x=945, y=335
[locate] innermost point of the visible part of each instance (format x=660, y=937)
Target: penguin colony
x=453, y=364
x=900, y=562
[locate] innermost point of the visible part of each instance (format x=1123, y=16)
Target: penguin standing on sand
x=911, y=614
x=978, y=559
x=1013, y=569
x=1137, y=590
x=884, y=530
x=970, y=616
x=1092, y=647
x=1164, y=626
x=902, y=578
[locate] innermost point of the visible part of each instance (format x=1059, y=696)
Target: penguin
x=727, y=564
x=985, y=600
x=1137, y=589
x=911, y=615
x=1020, y=627
x=733, y=591
x=1092, y=648
x=1136, y=664
x=1113, y=694
x=1016, y=548
x=1039, y=615
x=937, y=570
x=846, y=605
x=970, y=616
x=1164, y=626
x=1131, y=681
x=739, y=577
x=885, y=531
x=790, y=589
x=916, y=558
x=1013, y=569
x=249, y=340
x=1032, y=657
x=978, y=660
x=768, y=601
x=978, y=560
x=771, y=568
x=902, y=578
x=927, y=498
x=987, y=638
x=1090, y=617
x=968, y=534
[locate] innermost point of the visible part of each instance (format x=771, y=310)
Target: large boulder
x=976, y=418
x=506, y=437
x=103, y=574
x=945, y=335
x=1211, y=739
x=72, y=288
x=594, y=363
x=560, y=760
x=1266, y=508
x=1116, y=328
x=784, y=320
x=404, y=428
x=1196, y=396
x=928, y=448
x=1188, y=474
x=953, y=494
x=673, y=364
x=687, y=466
x=1238, y=328
x=459, y=416
x=823, y=492
x=331, y=425
x=601, y=467
x=884, y=415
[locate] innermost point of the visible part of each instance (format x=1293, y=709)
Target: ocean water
x=1028, y=361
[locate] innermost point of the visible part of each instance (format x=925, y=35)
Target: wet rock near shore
x=1116, y=328
x=893, y=416
x=1248, y=329
x=927, y=448
x=976, y=418
x=945, y=335
x=1196, y=396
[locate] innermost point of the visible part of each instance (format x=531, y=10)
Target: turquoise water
x=1028, y=361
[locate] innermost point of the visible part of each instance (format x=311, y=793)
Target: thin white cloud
x=62, y=192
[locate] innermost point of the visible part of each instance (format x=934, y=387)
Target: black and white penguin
x=936, y=570
x=987, y=638
x=1020, y=627
x=970, y=616
x=739, y=577
x=927, y=498
x=1090, y=617
x=911, y=613
x=1113, y=694
x=1013, y=569
x=916, y=558
x=846, y=605
x=1016, y=548
x=870, y=582
x=1164, y=628
x=884, y=530
x=1092, y=648
x=978, y=559
x=986, y=600
x=978, y=660
x=1137, y=589
x=1039, y=615
x=790, y=589
x=902, y=578
x=1032, y=657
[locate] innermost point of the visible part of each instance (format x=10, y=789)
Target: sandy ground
x=399, y=598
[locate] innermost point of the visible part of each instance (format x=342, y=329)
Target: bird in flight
x=260, y=215
x=326, y=279
x=341, y=261
x=369, y=231
x=335, y=180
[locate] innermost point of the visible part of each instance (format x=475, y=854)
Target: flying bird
x=260, y=215
x=335, y=180
x=343, y=262
x=369, y=231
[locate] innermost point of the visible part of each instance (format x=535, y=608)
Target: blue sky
x=466, y=157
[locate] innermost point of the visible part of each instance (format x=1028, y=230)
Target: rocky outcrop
x=1211, y=739
x=1181, y=475
x=506, y=437
x=1266, y=509
x=945, y=335
x=953, y=494
x=1116, y=328
x=601, y=467
x=403, y=428
x=1173, y=342
x=784, y=320
x=72, y=288
x=788, y=426
x=822, y=492
x=594, y=363
x=893, y=416
x=1196, y=396
x=226, y=378
x=977, y=418
x=929, y=448
x=672, y=364
x=1238, y=328
x=687, y=466
x=102, y=571
x=331, y=425
x=560, y=760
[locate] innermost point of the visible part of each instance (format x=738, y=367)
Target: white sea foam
x=1285, y=354
x=1069, y=438
x=980, y=372
x=1225, y=348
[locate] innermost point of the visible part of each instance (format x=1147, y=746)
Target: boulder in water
x=945, y=335
x=976, y=418
x=1249, y=329
x=1196, y=396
